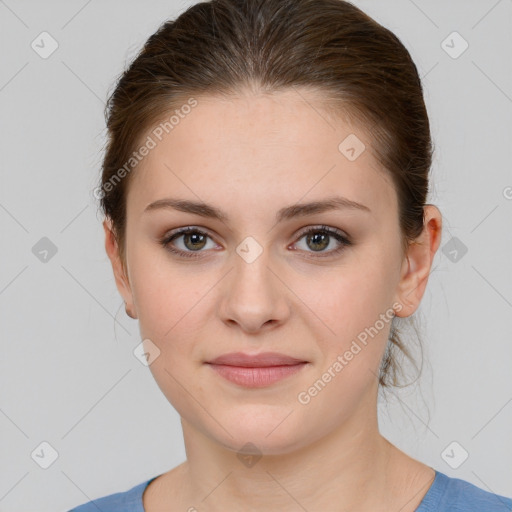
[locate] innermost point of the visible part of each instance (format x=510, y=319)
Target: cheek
x=163, y=291
x=350, y=298
x=171, y=304
x=169, y=307
x=352, y=309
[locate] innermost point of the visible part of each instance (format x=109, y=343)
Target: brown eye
x=196, y=240
x=318, y=239
x=193, y=241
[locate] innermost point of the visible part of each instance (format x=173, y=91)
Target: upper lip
x=264, y=359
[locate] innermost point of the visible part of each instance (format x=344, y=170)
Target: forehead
x=280, y=147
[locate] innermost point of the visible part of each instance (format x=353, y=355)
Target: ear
x=120, y=274
x=418, y=262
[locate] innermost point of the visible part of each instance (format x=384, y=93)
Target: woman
x=264, y=189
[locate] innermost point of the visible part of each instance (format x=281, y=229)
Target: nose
x=254, y=297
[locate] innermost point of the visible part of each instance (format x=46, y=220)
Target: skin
x=251, y=155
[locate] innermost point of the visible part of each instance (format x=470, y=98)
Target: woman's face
x=254, y=282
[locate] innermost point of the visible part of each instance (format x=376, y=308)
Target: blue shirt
x=446, y=494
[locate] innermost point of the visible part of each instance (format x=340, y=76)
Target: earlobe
x=417, y=264
x=128, y=311
x=121, y=279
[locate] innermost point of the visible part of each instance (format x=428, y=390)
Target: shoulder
x=124, y=501
x=457, y=495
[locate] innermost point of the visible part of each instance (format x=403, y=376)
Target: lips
x=264, y=359
x=256, y=371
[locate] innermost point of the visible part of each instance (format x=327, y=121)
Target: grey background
x=68, y=374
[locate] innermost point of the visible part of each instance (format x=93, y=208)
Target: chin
x=260, y=431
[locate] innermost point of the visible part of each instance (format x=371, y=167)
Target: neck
x=347, y=469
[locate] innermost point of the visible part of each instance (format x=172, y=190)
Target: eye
x=194, y=240
x=319, y=238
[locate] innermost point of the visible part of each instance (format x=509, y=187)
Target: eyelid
x=322, y=227
x=172, y=235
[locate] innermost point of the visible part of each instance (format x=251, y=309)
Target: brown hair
x=222, y=47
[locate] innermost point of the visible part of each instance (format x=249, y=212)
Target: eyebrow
x=286, y=213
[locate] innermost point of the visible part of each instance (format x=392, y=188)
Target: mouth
x=264, y=359
x=256, y=371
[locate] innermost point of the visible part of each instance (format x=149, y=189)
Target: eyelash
x=342, y=239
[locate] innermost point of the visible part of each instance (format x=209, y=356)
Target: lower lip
x=256, y=377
